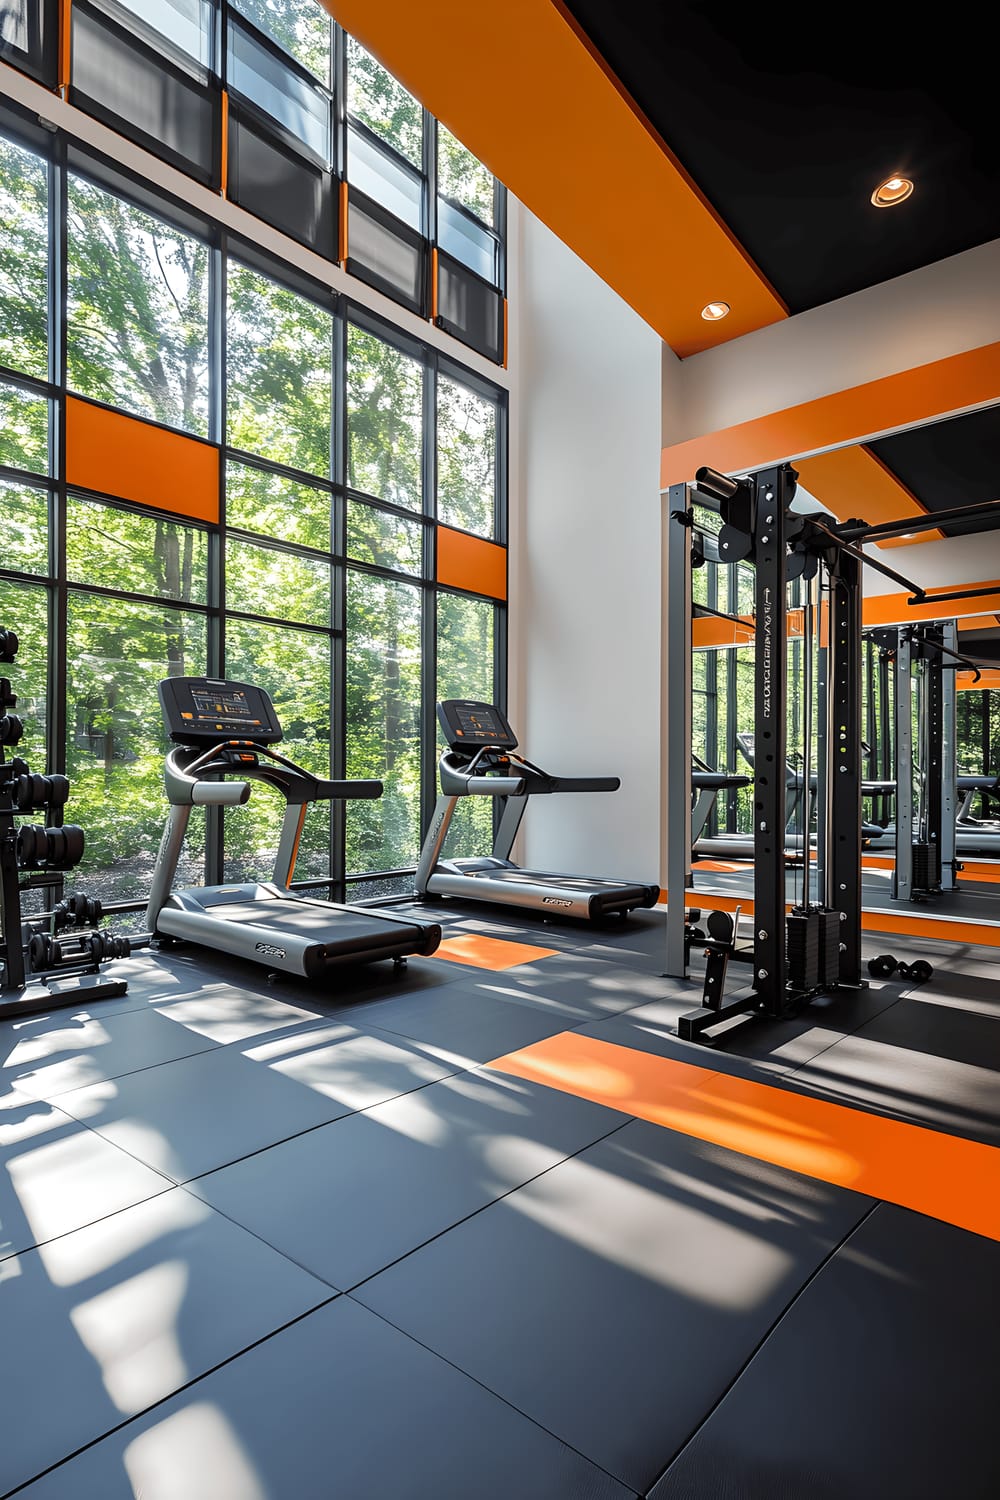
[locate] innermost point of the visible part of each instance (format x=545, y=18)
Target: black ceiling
x=787, y=121
x=951, y=463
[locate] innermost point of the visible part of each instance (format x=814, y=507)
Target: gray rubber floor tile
x=348, y=1199
x=203, y=1112
x=51, y=1054
x=338, y=1407
x=57, y=1176
x=579, y=986
x=465, y=1020
x=879, y=1382
x=612, y=1298
x=103, y=1323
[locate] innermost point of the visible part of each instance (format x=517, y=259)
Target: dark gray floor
x=262, y=1241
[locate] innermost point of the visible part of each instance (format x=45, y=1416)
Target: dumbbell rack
x=39, y=971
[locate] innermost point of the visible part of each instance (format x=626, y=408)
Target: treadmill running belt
x=351, y=931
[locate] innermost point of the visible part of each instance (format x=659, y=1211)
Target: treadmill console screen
x=205, y=710
x=467, y=724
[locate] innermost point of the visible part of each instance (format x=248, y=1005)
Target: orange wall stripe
x=843, y=417
x=892, y=609
x=964, y=681
x=224, y=145
x=898, y=924
x=944, y=1176
x=65, y=43
x=344, y=205
x=853, y=482
x=468, y=562
x=133, y=460
x=619, y=199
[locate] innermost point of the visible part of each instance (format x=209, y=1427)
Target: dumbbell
x=103, y=945
x=78, y=910
x=882, y=967
x=55, y=848
x=885, y=965
x=11, y=729
x=8, y=645
x=40, y=791
x=7, y=698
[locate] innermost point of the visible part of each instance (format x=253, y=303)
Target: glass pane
x=385, y=402
x=294, y=668
x=467, y=447
x=382, y=178
x=137, y=318
x=467, y=241
x=117, y=652
x=300, y=26
x=268, y=82
x=280, y=382
x=187, y=24
x=388, y=541
x=24, y=430
x=375, y=98
x=120, y=549
x=383, y=721
x=466, y=631
x=268, y=503
x=24, y=259
x=25, y=514
x=462, y=177
x=264, y=581
x=25, y=610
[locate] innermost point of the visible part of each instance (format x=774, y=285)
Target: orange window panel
x=135, y=460
x=468, y=562
x=65, y=43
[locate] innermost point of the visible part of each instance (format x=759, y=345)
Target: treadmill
x=480, y=762
x=222, y=729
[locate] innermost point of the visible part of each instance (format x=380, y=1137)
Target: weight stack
x=803, y=949
x=829, y=947
x=926, y=866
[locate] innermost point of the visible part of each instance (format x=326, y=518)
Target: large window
x=239, y=473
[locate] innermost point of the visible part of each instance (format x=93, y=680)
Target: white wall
x=585, y=572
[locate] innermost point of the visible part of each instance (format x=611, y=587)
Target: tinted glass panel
x=139, y=554
x=285, y=585
x=25, y=515
x=470, y=309
x=377, y=99
x=184, y=24
x=465, y=637
x=294, y=668
x=383, y=721
x=466, y=458
x=299, y=26
x=386, y=540
x=462, y=177
x=260, y=76
x=117, y=652
x=280, y=185
x=381, y=177
x=257, y=500
x=387, y=254
x=28, y=37
x=141, y=94
x=24, y=429
x=137, y=333
x=24, y=258
x=385, y=394
x=280, y=381
x=467, y=241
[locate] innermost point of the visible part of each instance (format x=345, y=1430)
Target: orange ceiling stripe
x=852, y=482
x=906, y=399
x=892, y=609
x=468, y=562
x=945, y=1176
x=135, y=460
x=518, y=87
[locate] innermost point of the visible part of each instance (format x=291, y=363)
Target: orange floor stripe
x=943, y=1176
x=941, y=927
x=971, y=870
x=489, y=953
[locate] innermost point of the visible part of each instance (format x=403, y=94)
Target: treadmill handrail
x=459, y=778
x=186, y=768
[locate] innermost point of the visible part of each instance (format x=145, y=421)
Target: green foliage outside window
x=24, y=430
x=462, y=177
x=376, y=99
x=385, y=396
x=466, y=445
x=24, y=256
x=301, y=27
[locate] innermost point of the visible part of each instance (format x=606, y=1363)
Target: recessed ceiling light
x=712, y=311
x=892, y=191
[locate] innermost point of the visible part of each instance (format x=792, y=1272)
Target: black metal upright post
x=842, y=861
x=775, y=488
